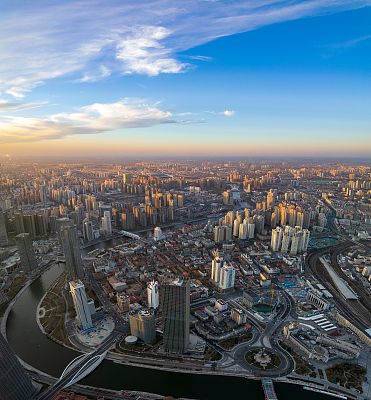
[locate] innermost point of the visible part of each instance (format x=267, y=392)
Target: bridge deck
x=268, y=388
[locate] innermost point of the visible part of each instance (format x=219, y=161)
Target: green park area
x=301, y=367
x=347, y=375
x=228, y=344
x=212, y=355
x=53, y=311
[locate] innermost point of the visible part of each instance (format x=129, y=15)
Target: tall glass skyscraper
x=26, y=251
x=14, y=382
x=175, y=304
x=72, y=253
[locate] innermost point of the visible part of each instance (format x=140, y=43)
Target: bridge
x=268, y=388
x=130, y=235
x=80, y=367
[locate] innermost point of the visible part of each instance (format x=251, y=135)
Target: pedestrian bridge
x=268, y=388
x=87, y=364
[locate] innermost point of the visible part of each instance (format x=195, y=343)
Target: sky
x=205, y=78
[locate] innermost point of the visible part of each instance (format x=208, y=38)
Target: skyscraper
x=72, y=253
x=175, y=306
x=26, y=252
x=106, y=223
x=153, y=294
x=143, y=325
x=14, y=382
x=81, y=304
x=3, y=233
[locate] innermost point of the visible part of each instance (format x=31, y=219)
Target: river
x=32, y=346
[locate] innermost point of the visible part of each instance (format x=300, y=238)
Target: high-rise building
x=143, y=325
x=216, y=266
x=26, y=252
x=222, y=274
x=242, y=233
x=72, y=253
x=276, y=238
x=14, y=382
x=3, y=232
x=153, y=298
x=227, y=277
x=175, y=304
x=106, y=223
x=88, y=230
x=81, y=303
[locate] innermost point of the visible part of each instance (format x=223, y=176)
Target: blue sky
x=243, y=78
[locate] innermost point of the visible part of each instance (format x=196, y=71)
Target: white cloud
x=142, y=52
x=45, y=40
x=229, y=113
x=91, y=119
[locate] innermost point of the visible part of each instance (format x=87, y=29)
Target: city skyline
x=191, y=79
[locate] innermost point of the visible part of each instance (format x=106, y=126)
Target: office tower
x=80, y=301
x=14, y=382
x=276, y=238
x=143, y=325
x=26, y=252
x=153, y=294
x=216, y=266
x=227, y=277
x=72, y=253
x=175, y=304
x=3, y=232
x=106, y=223
x=87, y=228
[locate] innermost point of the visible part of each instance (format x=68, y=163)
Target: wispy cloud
x=351, y=42
x=228, y=113
x=201, y=58
x=91, y=119
x=6, y=106
x=90, y=40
